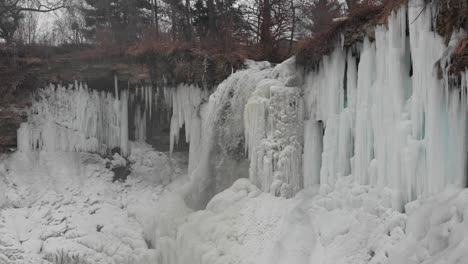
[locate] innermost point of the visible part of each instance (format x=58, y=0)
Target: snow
x=63, y=206
x=436, y=230
x=244, y=225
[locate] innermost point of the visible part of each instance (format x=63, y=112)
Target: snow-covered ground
x=352, y=224
x=63, y=207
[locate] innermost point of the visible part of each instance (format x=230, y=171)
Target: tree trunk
x=211, y=19
x=351, y=3
x=155, y=16
x=174, y=22
x=188, y=23
x=266, y=40
x=293, y=27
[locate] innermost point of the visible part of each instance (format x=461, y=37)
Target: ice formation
x=383, y=117
x=375, y=111
x=273, y=119
x=76, y=118
x=389, y=121
x=249, y=104
x=186, y=101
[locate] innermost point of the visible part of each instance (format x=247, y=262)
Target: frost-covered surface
x=62, y=207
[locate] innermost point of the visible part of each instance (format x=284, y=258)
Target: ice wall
x=389, y=121
x=75, y=118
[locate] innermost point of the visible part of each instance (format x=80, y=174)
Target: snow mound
x=437, y=230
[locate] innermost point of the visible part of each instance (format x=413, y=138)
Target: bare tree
x=293, y=26
x=27, y=29
x=269, y=22
x=13, y=11
x=69, y=26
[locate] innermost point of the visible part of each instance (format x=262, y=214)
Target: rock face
x=9, y=120
x=21, y=75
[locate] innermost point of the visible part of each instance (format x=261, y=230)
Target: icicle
x=186, y=100
x=401, y=132
x=150, y=99
x=124, y=124
x=116, y=86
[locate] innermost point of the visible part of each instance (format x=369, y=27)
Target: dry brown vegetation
x=360, y=22
x=460, y=57
x=362, y=18
x=451, y=15
x=151, y=60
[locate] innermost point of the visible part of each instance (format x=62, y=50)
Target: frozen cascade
x=273, y=132
x=217, y=128
x=76, y=119
x=386, y=127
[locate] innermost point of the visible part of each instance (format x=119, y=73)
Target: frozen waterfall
x=376, y=111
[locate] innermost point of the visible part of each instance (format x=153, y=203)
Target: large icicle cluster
x=389, y=121
x=185, y=102
x=76, y=118
x=141, y=101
